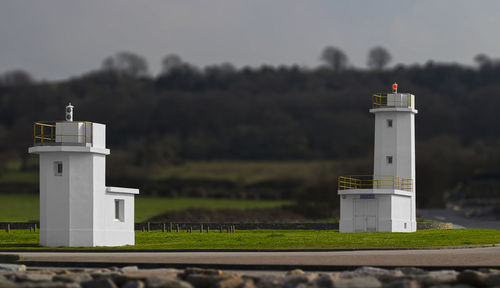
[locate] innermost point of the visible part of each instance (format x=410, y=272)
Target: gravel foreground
x=12, y=275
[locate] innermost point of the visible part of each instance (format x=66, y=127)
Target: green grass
x=19, y=207
x=283, y=239
x=146, y=207
x=25, y=207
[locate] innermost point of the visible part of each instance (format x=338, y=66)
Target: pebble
x=155, y=282
x=12, y=267
x=15, y=276
x=358, y=282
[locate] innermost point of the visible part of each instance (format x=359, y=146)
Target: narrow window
x=58, y=168
x=389, y=159
x=405, y=225
x=119, y=210
x=389, y=122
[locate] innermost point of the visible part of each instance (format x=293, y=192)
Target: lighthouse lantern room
x=384, y=201
x=76, y=207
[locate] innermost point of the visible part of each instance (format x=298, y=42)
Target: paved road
x=458, y=220
x=489, y=256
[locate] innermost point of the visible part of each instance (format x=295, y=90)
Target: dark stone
x=73, y=277
x=379, y=273
x=32, y=277
x=493, y=279
x=403, y=283
x=411, y=271
x=4, y=282
x=325, y=280
x=134, y=284
x=155, y=282
x=294, y=280
x=101, y=283
x=10, y=258
x=213, y=272
x=474, y=278
x=201, y=280
x=358, y=282
x=438, y=277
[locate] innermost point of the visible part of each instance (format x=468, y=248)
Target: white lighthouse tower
x=76, y=207
x=385, y=201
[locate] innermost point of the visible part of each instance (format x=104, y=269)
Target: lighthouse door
x=365, y=215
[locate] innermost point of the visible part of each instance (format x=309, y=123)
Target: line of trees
x=268, y=113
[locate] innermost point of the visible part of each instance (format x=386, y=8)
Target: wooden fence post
x=34, y=228
x=177, y=227
x=8, y=228
x=163, y=228
x=201, y=228
x=220, y=228
x=149, y=227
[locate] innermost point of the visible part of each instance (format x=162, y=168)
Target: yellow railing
x=381, y=100
x=375, y=182
x=45, y=132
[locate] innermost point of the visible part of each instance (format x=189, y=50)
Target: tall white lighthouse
x=385, y=201
x=76, y=207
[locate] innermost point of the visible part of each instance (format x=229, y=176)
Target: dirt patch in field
x=200, y=215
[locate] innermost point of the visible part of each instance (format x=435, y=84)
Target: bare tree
x=335, y=58
x=126, y=63
x=378, y=58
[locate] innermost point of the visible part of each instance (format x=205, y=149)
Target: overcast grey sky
x=56, y=39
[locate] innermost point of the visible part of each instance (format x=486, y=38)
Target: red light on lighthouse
x=395, y=88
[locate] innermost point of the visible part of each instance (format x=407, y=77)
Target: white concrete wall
x=110, y=231
x=384, y=213
x=402, y=214
x=346, y=224
x=99, y=135
x=82, y=183
x=54, y=200
x=397, y=141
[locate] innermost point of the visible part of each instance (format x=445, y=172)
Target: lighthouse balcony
x=69, y=133
x=373, y=182
x=397, y=100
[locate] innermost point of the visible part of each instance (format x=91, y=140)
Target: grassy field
x=282, y=239
x=25, y=207
x=247, y=172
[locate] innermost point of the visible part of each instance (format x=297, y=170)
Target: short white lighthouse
x=76, y=207
x=385, y=201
